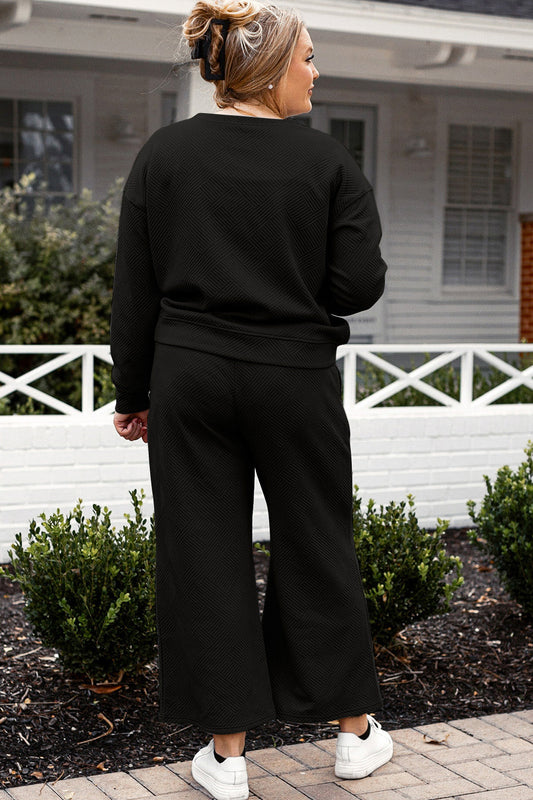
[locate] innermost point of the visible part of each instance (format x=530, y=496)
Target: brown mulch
x=475, y=660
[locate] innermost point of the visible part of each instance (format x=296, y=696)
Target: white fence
x=348, y=355
x=438, y=453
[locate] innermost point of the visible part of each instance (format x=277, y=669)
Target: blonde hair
x=260, y=44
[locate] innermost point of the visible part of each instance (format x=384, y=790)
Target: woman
x=243, y=236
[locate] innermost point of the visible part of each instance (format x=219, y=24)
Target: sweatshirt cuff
x=132, y=403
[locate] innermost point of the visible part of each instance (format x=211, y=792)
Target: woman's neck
x=249, y=110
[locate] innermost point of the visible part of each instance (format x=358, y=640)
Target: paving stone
x=192, y=794
x=525, y=714
x=486, y=776
x=34, y=791
x=159, y=780
x=4, y=795
x=411, y=740
x=272, y=788
x=330, y=745
x=307, y=777
x=513, y=724
x=377, y=782
x=523, y=775
x=79, y=789
x=441, y=731
x=120, y=786
x=508, y=763
x=273, y=760
x=388, y=794
x=424, y=768
x=453, y=755
x=515, y=745
x=479, y=728
x=327, y=791
x=442, y=789
x=519, y=793
x=181, y=768
x=309, y=754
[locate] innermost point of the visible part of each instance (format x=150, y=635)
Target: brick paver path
x=489, y=758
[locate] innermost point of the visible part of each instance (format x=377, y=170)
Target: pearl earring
x=271, y=86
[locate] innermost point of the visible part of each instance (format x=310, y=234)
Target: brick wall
x=526, y=279
x=436, y=454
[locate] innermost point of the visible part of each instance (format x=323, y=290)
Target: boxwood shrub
x=504, y=527
x=90, y=589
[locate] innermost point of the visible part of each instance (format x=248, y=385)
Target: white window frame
x=455, y=111
x=59, y=85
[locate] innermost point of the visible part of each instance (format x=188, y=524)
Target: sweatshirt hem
x=246, y=346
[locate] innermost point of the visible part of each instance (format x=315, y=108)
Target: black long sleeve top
x=243, y=236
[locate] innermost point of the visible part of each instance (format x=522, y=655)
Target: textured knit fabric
x=244, y=237
x=222, y=666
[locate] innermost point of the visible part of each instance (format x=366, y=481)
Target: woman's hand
x=132, y=426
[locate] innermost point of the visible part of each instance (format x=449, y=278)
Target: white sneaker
x=226, y=780
x=357, y=758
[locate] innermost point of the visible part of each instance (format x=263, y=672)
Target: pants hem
x=320, y=718
x=215, y=728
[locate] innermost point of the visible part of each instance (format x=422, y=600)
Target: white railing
x=350, y=355
x=64, y=354
x=445, y=354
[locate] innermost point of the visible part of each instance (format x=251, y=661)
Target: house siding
x=417, y=307
x=123, y=96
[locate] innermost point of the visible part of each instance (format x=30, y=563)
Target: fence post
x=87, y=382
x=467, y=378
x=350, y=377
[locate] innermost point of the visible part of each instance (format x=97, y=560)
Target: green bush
x=90, y=590
x=403, y=567
x=56, y=279
x=504, y=528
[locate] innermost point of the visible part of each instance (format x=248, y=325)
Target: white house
x=434, y=97
x=436, y=104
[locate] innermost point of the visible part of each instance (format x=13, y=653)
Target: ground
x=475, y=660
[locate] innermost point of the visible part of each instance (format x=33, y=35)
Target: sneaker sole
x=365, y=768
x=220, y=791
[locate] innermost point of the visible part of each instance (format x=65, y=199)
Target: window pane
x=350, y=132
x=59, y=144
x=6, y=113
x=31, y=145
x=60, y=176
x=31, y=114
x=7, y=175
x=6, y=145
x=60, y=116
x=503, y=139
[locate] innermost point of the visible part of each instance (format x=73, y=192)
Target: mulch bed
x=475, y=660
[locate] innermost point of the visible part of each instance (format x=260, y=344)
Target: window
x=478, y=205
x=38, y=136
x=351, y=133
x=354, y=127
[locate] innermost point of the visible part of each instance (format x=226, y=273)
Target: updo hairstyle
x=260, y=44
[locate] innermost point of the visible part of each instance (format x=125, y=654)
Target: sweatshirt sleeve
x=355, y=277
x=134, y=310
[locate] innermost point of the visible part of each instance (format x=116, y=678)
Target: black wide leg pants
x=213, y=420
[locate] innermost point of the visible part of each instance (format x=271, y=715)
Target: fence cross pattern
x=349, y=355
